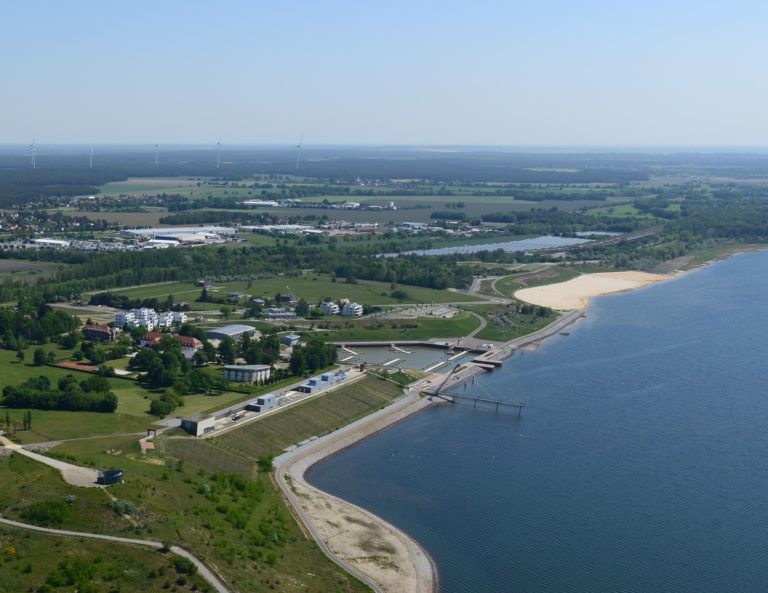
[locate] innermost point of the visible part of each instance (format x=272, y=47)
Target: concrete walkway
x=202, y=569
x=72, y=474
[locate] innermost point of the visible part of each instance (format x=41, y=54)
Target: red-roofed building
x=189, y=345
x=150, y=339
x=98, y=333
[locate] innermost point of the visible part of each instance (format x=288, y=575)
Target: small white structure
x=263, y=403
x=329, y=308
x=352, y=310
x=55, y=243
x=246, y=373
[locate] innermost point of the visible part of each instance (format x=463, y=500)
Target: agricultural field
x=26, y=271
x=240, y=527
x=148, y=185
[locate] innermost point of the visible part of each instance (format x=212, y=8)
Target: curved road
x=202, y=569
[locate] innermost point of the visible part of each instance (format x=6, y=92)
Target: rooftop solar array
x=538, y=243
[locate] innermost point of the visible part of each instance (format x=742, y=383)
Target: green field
x=240, y=527
x=148, y=185
x=421, y=328
x=539, y=277
x=33, y=559
x=505, y=323
x=309, y=286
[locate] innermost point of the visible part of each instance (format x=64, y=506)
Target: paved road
x=202, y=569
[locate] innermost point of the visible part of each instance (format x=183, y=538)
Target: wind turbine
x=218, y=153
x=90, y=161
x=34, y=152
x=157, y=153
x=298, y=150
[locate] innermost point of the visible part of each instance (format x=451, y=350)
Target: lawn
x=49, y=425
x=505, y=323
x=310, y=286
x=421, y=328
x=549, y=275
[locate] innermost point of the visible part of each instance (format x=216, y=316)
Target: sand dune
x=576, y=293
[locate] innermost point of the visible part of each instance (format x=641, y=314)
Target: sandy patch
x=576, y=293
x=360, y=539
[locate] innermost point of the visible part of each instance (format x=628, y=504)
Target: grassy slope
x=314, y=417
x=116, y=567
x=243, y=530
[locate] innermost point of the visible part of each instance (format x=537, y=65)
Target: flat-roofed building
x=236, y=331
x=329, y=308
x=263, y=403
x=247, y=373
x=352, y=310
x=199, y=425
x=290, y=339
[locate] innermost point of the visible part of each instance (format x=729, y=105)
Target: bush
x=184, y=566
x=123, y=507
x=48, y=513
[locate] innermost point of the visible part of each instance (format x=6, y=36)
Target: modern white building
x=246, y=373
x=329, y=308
x=149, y=319
x=263, y=403
x=352, y=310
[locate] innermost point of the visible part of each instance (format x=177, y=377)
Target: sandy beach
x=367, y=546
x=577, y=292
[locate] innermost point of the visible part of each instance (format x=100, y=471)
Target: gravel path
x=202, y=569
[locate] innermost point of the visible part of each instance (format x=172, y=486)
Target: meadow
x=310, y=286
x=239, y=527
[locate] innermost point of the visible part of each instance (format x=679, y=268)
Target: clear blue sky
x=389, y=72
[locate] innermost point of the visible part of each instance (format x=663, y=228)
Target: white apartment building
x=352, y=310
x=149, y=319
x=329, y=308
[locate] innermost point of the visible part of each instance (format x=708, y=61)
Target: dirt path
x=202, y=569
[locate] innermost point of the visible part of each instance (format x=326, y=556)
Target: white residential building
x=329, y=308
x=149, y=319
x=352, y=310
x=165, y=319
x=146, y=318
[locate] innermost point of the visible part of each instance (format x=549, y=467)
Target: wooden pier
x=497, y=403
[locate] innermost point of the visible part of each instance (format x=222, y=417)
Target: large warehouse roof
x=234, y=329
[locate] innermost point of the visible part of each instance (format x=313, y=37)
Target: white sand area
x=576, y=293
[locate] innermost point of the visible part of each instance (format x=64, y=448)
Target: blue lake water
x=640, y=464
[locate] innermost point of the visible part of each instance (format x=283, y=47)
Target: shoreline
x=307, y=502
x=295, y=464
x=373, y=550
